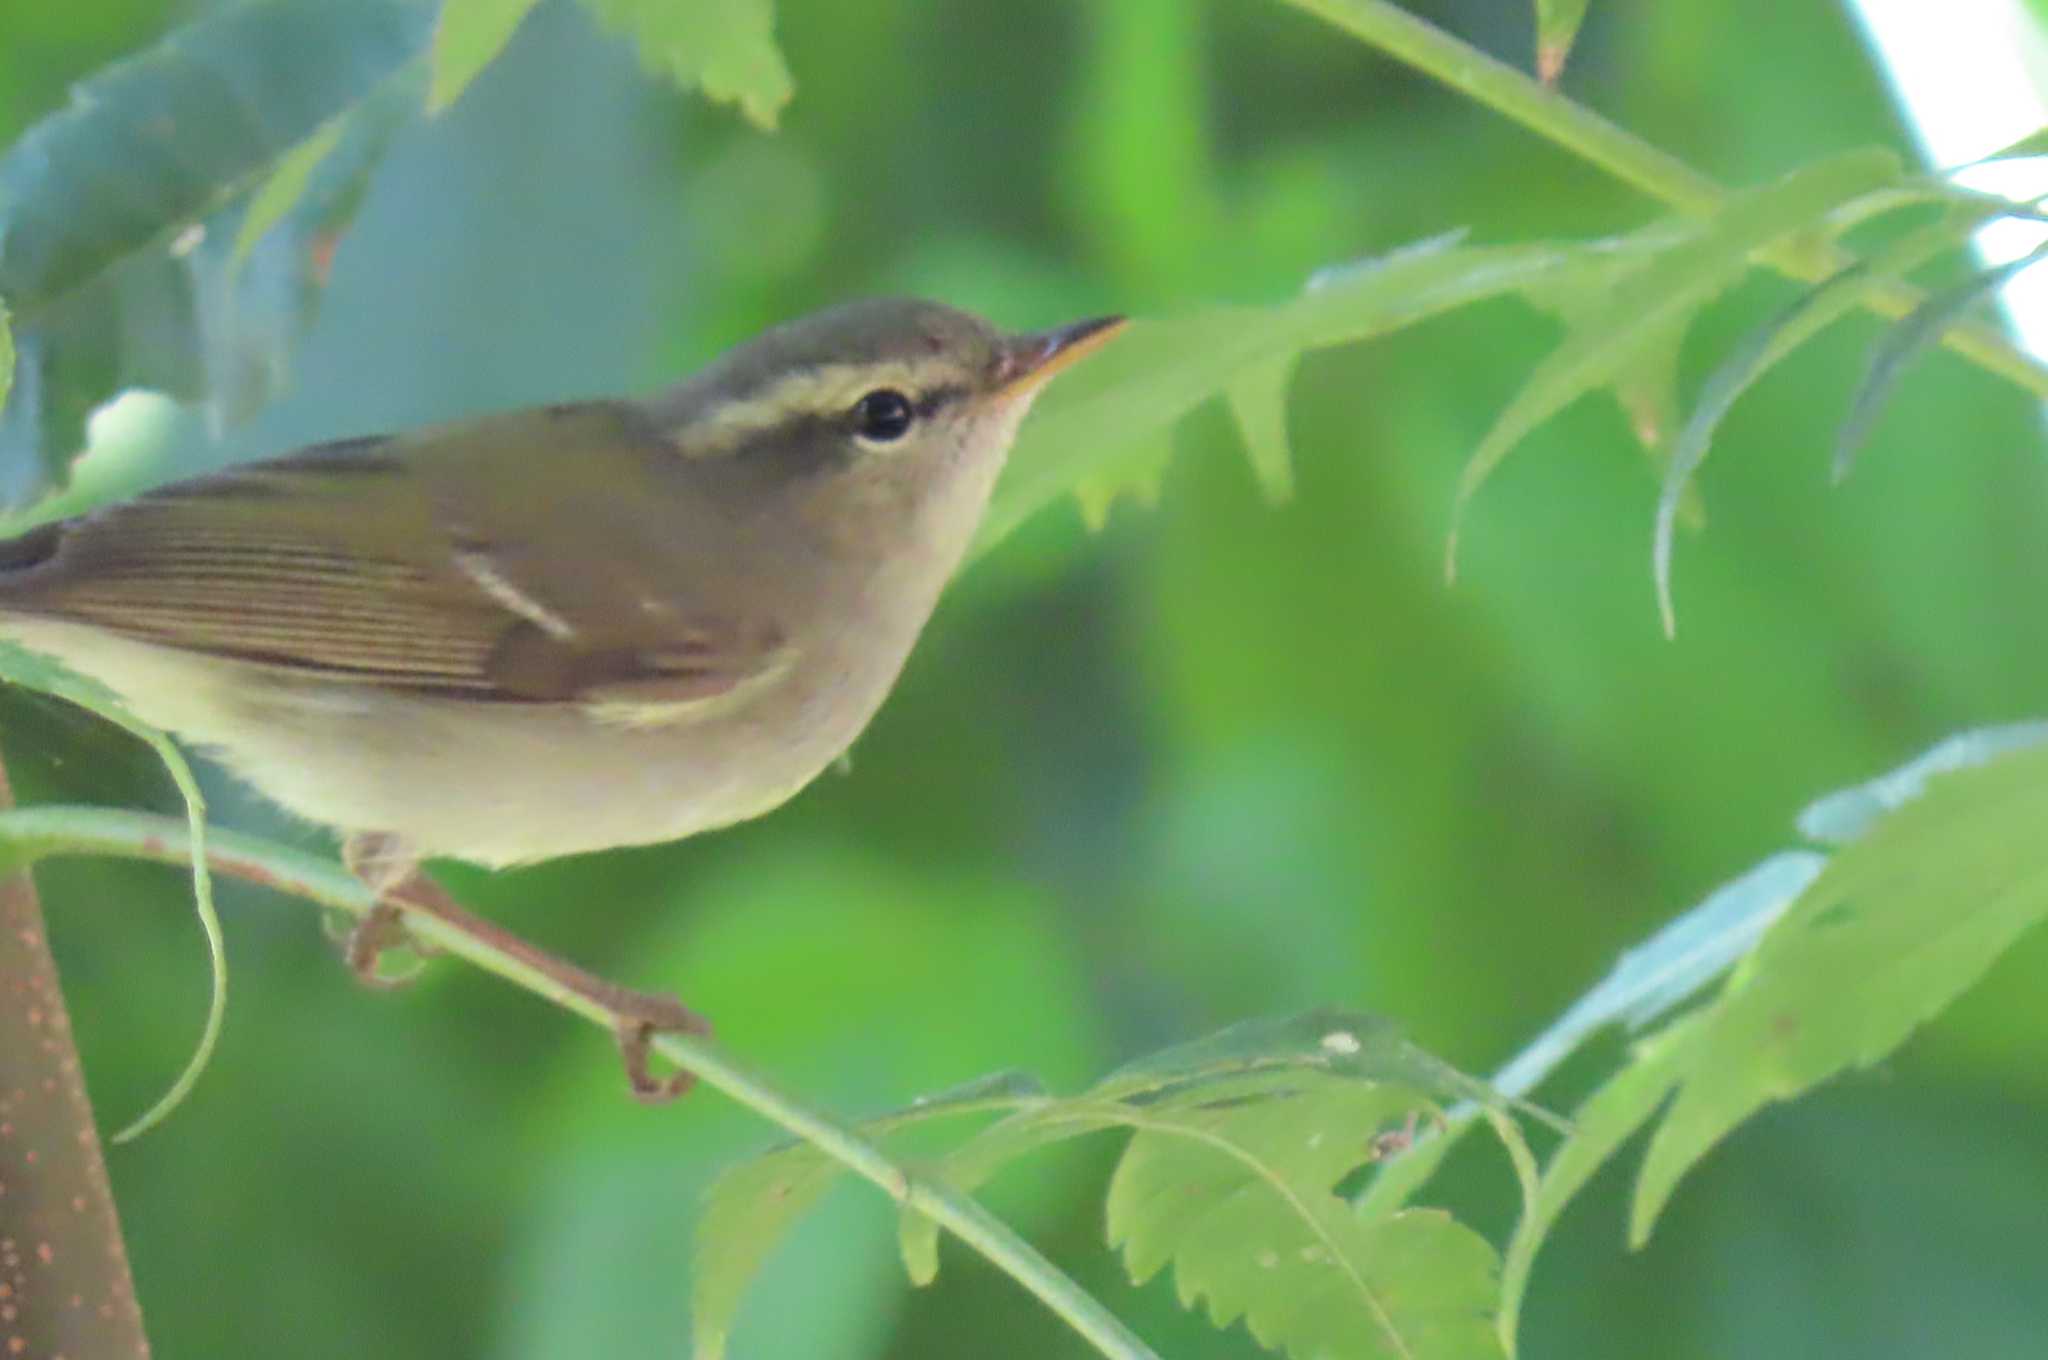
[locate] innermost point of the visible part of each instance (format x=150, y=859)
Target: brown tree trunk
x=65, y=1291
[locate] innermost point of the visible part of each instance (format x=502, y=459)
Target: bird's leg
x=387, y=866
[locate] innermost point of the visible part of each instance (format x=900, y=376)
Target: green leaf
x=726, y=47
x=751, y=1207
x=1646, y=388
x=1238, y=1195
x=156, y=142
x=1672, y=966
x=1623, y=1104
x=1650, y=980
x=1113, y=412
x=1848, y=814
x=47, y=675
x=2035, y=143
x=1910, y=915
x=1321, y=1083
x=108, y=207
x=1811, y=313
x=253, y=299
x=1258, y=398
x=1232, y=1178
x=1906, y=341
x=1665, y=293
x=283, y=189
x=1557, y=27
x=468, y=37
x=1274, y=1113
x=1326, y=1039
x=1138, y=473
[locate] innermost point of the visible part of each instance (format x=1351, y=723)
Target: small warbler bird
x=563, y=629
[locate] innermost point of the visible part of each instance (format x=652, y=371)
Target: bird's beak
x=1030, y=360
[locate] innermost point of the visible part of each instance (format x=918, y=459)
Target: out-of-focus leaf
x=251, y=301
x=6, y=355
x=1557, y=27
x=1881, y=918
x=268, y=205
x=1128, y=396
x=1810, y=314
x=1848, y=814
x=726, y=47
x=144, y=159
x=47, y=675
x=1649, y=981
x=1906, y=341
x=1671, y=966
x=752, y=1206
x=1897, y=925
x=1258, y=398
x=1666, y=293
x=468, y=37
x=1327, y=1039
x=2035, y=143
x=1623, y=1104
x=1138, y=473
x=160, y=140
x=1237, y=1194
x=1647, y=387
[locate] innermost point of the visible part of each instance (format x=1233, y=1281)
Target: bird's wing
x=369, y=561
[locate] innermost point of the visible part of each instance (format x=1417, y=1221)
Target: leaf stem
x=1637, y=163
x=33, y=833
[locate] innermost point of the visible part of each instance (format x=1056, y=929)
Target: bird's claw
x=641, y=1016
x=380, y=930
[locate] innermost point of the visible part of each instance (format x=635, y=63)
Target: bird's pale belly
x=496, y=783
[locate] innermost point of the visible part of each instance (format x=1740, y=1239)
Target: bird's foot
x=639, y=1017
x=379, y=931
x=402, y=888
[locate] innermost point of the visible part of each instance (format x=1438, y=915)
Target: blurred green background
x=1220, y=760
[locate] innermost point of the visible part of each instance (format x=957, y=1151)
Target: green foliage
x=1101, y=428
x=754, y=1205
x=1199, y=1187
x=1557, y=27
x=1258, y=401
x=1894, y=929
x=1908, y=341
x=725, y=46
x=1839, y=962
x=1623, y=1104
x=1239, y=1143
x=1302, y=686
x=1811, y=313
x=273, y=200
x=127, y=253
x=2035, y=143
x=1665, y=292
x=113, y=243
x=468, y=36
x=160, y=140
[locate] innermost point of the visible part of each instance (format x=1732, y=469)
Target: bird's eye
x=883, y=415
